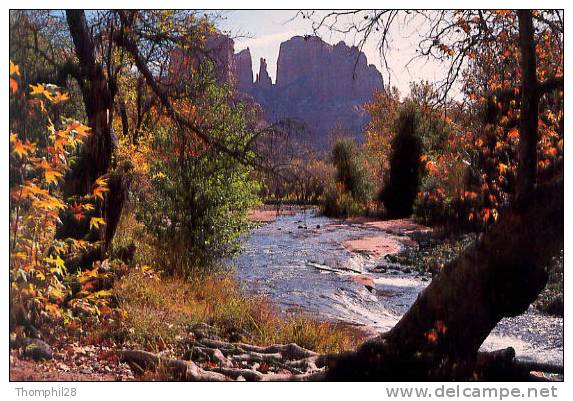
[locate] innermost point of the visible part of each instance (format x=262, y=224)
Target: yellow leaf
x=58, y=262
x=14, y=68
x=96, y=222
x=102, y=293
x=56, y=293
x=102, y=182
x=52, y=176
x=60, y=97
x=38, y=89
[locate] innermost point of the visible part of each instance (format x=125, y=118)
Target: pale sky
x=264, y=30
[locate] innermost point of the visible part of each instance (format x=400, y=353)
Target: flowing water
x=289, y=260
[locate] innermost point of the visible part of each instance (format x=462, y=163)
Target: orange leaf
x=513, y=133
x=13, y=85
x=53, y=309
x=432, y=336
x=20, y=149
x=98, y=192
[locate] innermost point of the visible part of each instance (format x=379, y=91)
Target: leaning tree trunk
x=500, y=276
x=439, y=336
x=96, y=154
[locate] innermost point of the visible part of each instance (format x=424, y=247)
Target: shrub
x=199, y=196
x=40, y=275
x=351, y=170
x=401, y=187
x=339, y=203
x=353, y=187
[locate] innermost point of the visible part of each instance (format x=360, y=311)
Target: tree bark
x=529, y=105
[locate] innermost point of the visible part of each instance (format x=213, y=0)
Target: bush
x=338, y=203
x=351, y=170
x=353, y=187
x=199, y=196
x=401, y=188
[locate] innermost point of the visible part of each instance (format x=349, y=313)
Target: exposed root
x=140, y=361
x=216, y=360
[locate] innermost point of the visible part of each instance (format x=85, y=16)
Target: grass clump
x=159, y=314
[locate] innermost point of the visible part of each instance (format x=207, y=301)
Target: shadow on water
x=291, y=260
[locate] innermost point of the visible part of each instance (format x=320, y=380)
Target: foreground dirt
x=71, y=363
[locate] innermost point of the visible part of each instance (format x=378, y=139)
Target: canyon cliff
x=320, y=85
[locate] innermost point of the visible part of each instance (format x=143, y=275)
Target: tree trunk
x=96, y=154
x=527, y=167
x=439, y=336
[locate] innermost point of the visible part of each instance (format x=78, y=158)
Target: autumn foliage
x=39, y=161
x=469, y=175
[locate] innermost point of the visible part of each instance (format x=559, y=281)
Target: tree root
x=247, y=365
x=141, y=361
x=215, y=360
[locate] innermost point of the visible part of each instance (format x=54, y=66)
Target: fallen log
x=320, y=266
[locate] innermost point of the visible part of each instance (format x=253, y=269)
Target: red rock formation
x=317, y=83
x=244, y=70
x=263, y=80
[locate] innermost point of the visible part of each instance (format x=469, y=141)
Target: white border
x=228, y=391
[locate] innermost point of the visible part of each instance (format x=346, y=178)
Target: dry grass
x=159, y=314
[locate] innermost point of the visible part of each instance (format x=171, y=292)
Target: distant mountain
x=317, y=83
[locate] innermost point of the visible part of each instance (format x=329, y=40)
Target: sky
x=262, y=31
